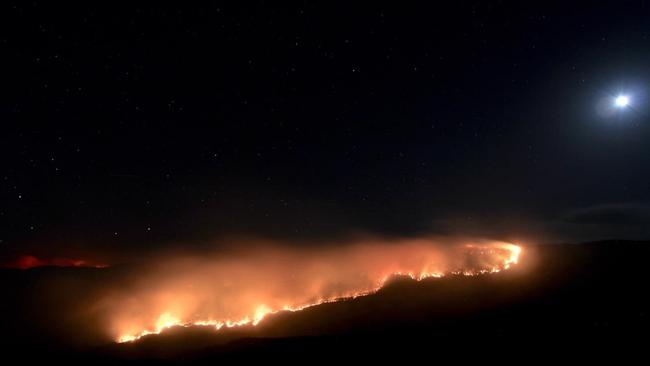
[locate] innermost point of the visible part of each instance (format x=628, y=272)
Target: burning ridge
x=243, y=289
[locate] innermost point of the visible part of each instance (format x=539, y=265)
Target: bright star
x=622, y=101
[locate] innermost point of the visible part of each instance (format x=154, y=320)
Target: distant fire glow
x=30, y=261
x=243, y=288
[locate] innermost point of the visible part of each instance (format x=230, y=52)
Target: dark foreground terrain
x=582, y=301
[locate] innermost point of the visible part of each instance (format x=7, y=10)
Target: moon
x=622, y=101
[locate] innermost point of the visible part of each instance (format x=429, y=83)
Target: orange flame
x=244, y=289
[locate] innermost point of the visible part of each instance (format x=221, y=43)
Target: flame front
x=244, y=289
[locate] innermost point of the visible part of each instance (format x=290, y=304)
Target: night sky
x=127, y=129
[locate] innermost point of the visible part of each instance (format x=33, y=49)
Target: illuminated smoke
x=242, y=287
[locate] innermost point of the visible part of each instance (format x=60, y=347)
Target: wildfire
x=246, y=289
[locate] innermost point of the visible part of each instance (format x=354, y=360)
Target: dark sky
x=129, y=129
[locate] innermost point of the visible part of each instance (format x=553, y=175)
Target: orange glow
x=243, y=288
